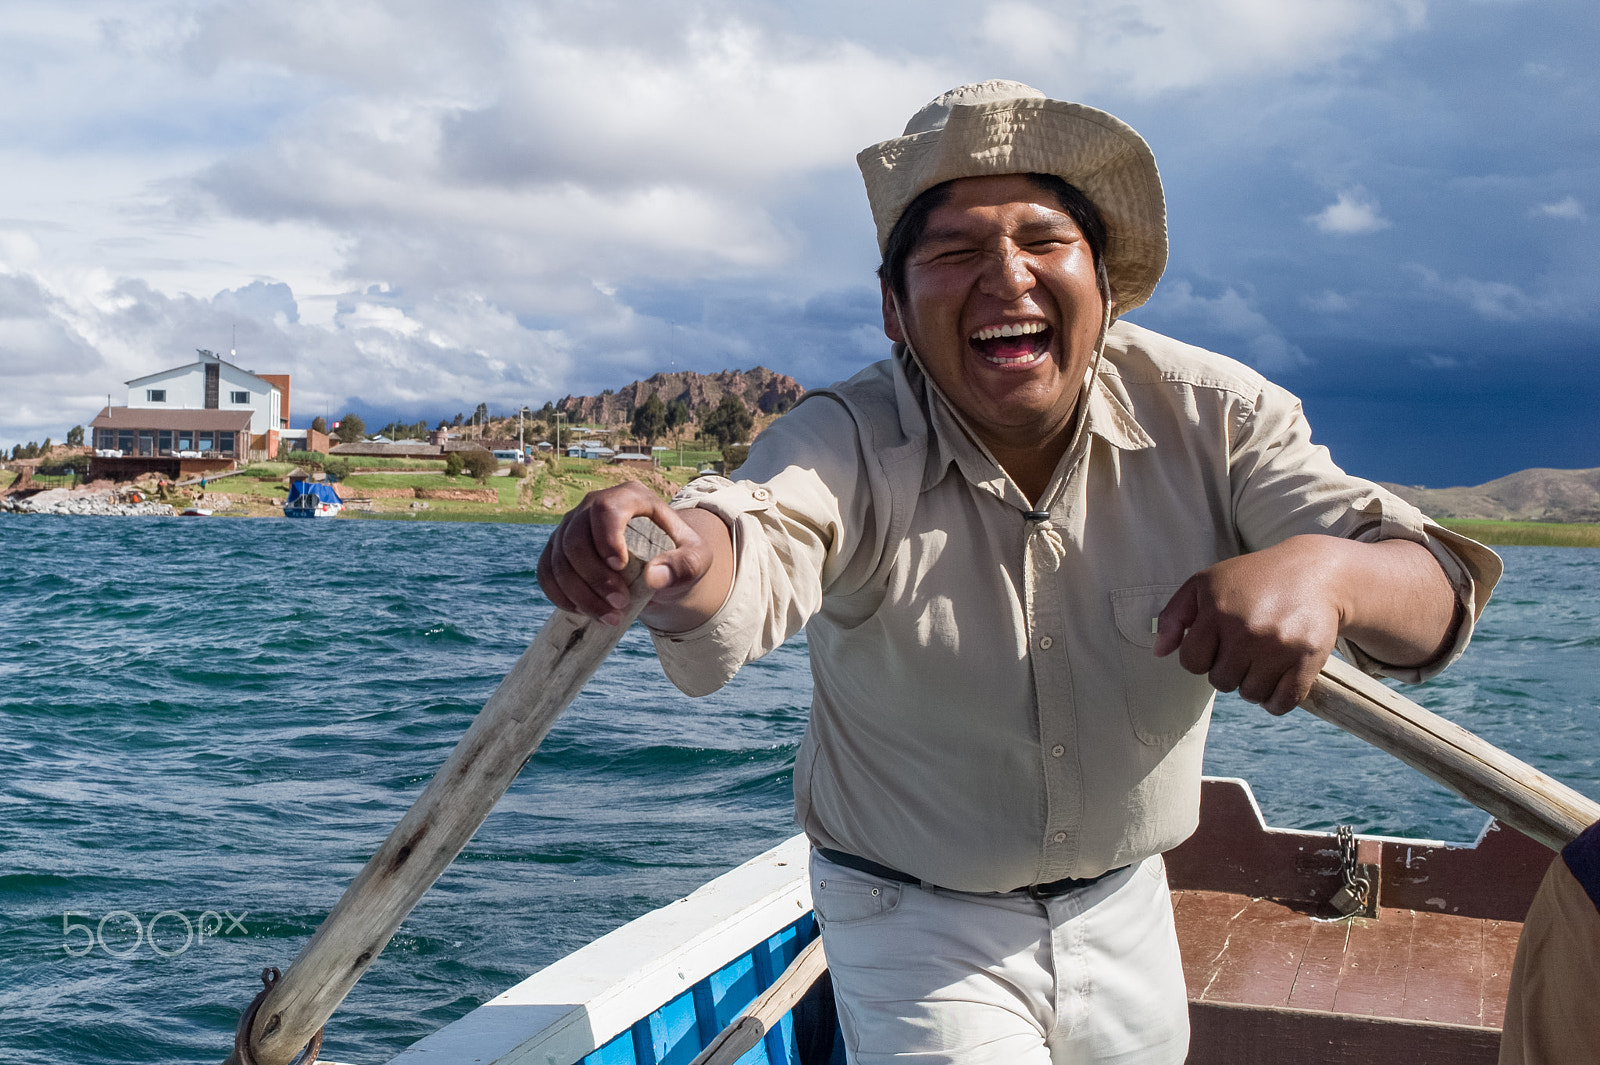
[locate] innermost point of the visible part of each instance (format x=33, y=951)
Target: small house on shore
x=199, y=417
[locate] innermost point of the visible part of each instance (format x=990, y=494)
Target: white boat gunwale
x=579, y=1003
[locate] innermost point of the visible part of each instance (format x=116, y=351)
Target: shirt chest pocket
x=1164, y=700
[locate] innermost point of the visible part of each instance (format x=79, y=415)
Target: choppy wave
x=225, y=718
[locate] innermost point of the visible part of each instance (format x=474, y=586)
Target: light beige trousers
x=926, y=976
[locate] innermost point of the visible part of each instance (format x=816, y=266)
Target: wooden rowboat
x=1273, y=974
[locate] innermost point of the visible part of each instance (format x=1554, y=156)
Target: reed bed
x=1527, y=533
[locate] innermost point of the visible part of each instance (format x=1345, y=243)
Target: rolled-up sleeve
x=1473, y=571
x=795, y=515
x=1273, y=460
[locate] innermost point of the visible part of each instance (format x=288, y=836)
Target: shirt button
x=761, y=493
x=1058, y=750
x=1060, y=837
x=1045, y=643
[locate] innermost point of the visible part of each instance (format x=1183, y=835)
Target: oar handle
x=762, y=1015
x=487, y=759
x=1492, y=780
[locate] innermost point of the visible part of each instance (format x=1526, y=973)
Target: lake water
x=210, y=725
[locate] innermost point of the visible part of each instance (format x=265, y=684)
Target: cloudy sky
x=1388, y=205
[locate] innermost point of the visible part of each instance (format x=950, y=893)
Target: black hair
x=913, y=222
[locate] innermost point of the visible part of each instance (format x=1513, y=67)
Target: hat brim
x=1096, y=152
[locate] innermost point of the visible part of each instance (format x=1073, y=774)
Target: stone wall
x=346, y=492
x=460, y=495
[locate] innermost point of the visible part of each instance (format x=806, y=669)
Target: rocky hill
x=1528, y=495
x=761, y=390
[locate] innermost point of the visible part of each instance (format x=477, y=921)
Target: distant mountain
x=1529, y=495
x=761, y=390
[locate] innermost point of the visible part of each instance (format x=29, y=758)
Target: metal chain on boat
x=241, y=1036
x=1352, y=897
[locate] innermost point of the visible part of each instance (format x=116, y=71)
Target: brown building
x=132, y=441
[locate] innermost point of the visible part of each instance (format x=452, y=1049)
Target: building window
x=204, y=443
x=155, y=395
x=238, y=397
x=105, y=439
x=164, y=441
x=225, y=442
x=185, y=440
x=125, y=441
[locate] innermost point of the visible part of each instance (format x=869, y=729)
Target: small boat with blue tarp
x=311, y=499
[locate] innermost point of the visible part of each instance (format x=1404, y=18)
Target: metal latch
x=1357, y=894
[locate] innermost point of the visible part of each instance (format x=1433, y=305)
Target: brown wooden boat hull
x=1265, y=1035
x=1272, y=979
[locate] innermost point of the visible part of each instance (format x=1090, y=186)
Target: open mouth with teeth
x=1013, y=344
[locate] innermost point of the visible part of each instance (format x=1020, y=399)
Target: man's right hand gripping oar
x=581, y=567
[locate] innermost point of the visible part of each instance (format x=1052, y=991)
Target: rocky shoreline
x=103, y=502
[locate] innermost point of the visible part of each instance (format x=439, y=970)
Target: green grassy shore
x=540, y=494
x=554, y=486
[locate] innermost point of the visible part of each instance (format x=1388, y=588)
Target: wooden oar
x=1492, y=780
x=484, y=763
x=758, y=1018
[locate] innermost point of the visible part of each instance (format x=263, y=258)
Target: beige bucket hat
x=1006, y=127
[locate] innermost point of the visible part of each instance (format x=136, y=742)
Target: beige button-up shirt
x=987, y=710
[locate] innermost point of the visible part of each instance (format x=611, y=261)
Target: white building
x=213, y=383
x=207, y=410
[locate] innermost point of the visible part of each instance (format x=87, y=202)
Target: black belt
x=1054, y=888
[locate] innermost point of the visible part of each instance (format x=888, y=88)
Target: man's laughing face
x=1003, y=308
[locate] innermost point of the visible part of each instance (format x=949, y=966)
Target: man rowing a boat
x=1028, y=548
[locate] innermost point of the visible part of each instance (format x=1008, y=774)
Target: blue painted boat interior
x=678, y=1031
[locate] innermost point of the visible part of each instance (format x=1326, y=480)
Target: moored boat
x=1417, y=973
x=312, y=499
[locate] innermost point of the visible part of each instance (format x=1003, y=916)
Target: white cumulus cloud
x=1568, y=209
x=1352, y=214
